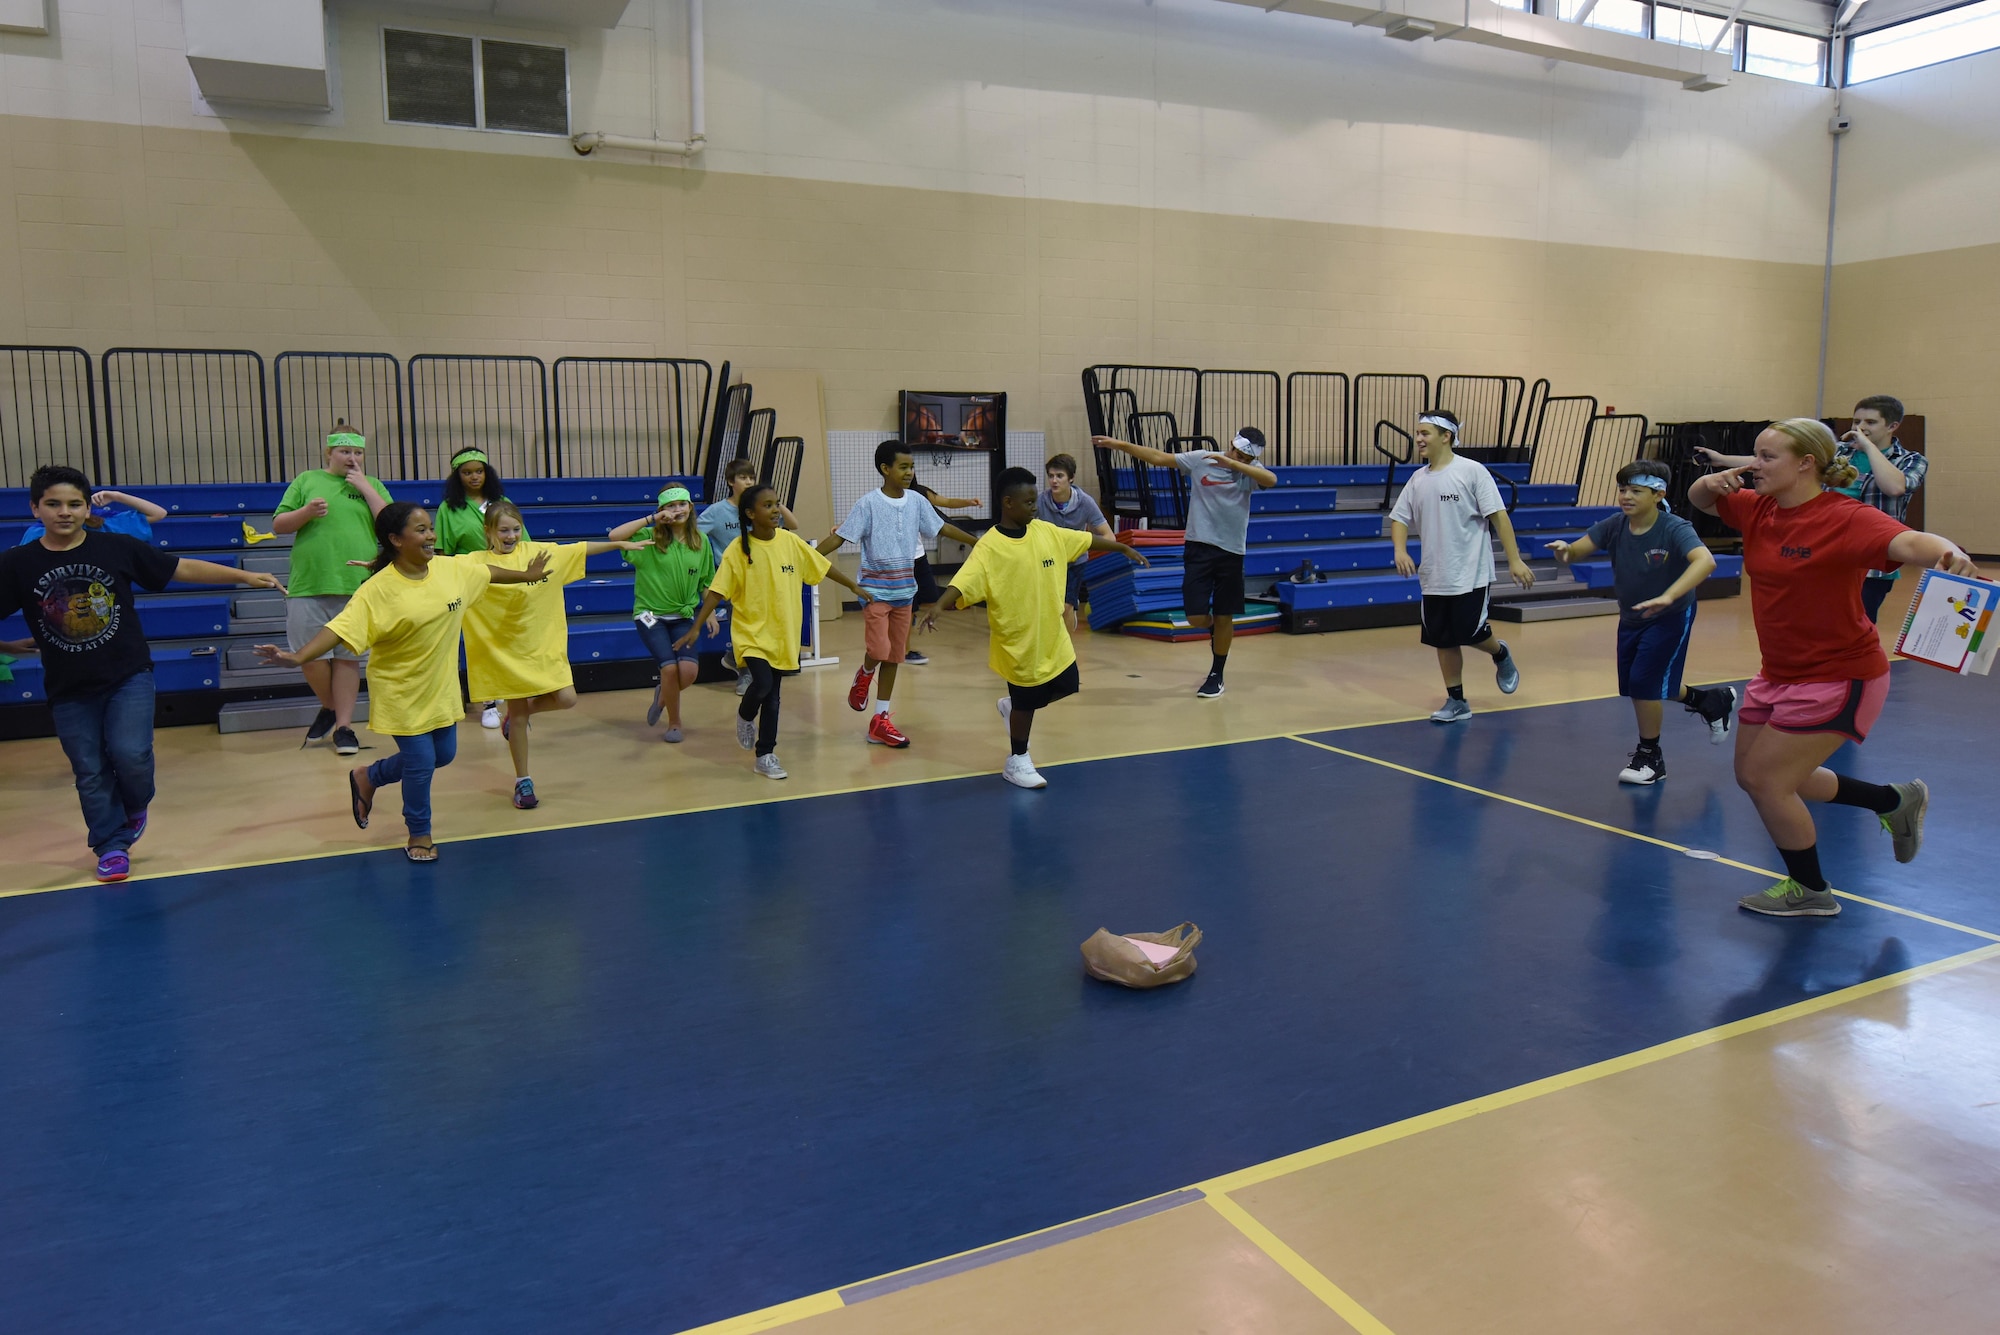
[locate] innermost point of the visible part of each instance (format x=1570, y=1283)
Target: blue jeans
x=660, y=636
x=416, y=759
x=108, y=737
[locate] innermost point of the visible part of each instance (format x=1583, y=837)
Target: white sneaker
x=1020, y=771
x=1645, y=768
x=742, y=680
x=1006, y=707
x=769, y=767
x=490, y=717
x=746, y=733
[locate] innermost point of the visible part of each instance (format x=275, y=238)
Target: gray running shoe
x=1906, y=822
x=1506, y=673
x=654, y=710
x=769, y=767
x=742, y=680
x=671, y=735
x=1789, y=899
x=746, y=734
x=1454, y=711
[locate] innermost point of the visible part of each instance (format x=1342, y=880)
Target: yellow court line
x=1322, y=1288
x=770, y=1318
x=1582, y=1075
x=1633, y=834
x=82, y=883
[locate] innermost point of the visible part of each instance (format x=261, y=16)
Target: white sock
x=881, y=706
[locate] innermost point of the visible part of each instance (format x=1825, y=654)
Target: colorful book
x=1950, y=624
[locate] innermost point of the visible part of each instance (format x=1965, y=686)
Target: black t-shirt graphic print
x=79, y=608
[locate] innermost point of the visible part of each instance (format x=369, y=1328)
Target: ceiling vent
x=1410, y=30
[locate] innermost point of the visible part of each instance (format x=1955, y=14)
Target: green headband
x=347, y=440
x=468, y=456
x=672, y=494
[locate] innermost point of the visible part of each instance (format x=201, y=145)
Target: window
x=1684, y=27
x=1525, y=6
x=475, y=84
x=1946, y=36
x=1783, y=55
x=1628, y=16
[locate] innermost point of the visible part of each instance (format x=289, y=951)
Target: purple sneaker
x=114, y=866
x=137, y=825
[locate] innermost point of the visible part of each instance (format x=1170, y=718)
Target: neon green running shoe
x=1789, y=899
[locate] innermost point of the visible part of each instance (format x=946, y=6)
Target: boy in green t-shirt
x=332, y=510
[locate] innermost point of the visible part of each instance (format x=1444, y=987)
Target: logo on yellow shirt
x=454, y=604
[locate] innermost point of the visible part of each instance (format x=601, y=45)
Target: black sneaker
x=1210, y=688
x=1716, y=706
x=322, y=724
x=1647, y=766
x=345, y=743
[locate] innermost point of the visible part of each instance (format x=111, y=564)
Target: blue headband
x=1653, y=480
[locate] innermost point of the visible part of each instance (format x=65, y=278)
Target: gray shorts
x=307, y=615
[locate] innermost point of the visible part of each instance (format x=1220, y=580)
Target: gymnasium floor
x=1476, y=1045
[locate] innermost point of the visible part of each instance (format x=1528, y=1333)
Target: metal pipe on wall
x=589, y=141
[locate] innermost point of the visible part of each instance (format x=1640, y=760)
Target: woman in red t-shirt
x=1824, y=676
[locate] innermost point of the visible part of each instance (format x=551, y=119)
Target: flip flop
x=416, y=852
x=362, y=806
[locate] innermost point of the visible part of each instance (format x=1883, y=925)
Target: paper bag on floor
x=1142, y=959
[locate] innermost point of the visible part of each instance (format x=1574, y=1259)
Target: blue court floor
x=647, y=1075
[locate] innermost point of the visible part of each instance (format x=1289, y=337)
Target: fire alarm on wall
x=1840, y=124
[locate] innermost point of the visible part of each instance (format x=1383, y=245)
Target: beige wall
x=123, y=234
x=1921, y=327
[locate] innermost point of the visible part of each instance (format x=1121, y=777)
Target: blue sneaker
x=1506, y=674
x=524, y=794
x=114, y=866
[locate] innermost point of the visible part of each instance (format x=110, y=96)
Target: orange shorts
x=885, y=630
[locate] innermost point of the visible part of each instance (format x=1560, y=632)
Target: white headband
x=1439, y=420
x=1653, y=480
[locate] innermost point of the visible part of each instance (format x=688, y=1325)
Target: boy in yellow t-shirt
x=763, y=575
x=1020, y=569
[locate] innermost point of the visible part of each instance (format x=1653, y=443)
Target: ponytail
x=743, y=504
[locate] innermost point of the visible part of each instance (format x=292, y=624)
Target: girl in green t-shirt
x=673, y=571
x=473, y=485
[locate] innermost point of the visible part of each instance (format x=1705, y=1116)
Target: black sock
x=1502, y=656
x=1455, y=692
x=1020, y=745
x=1802, y=865
x=1879, y=798
x=1221, y=661
x=1649, y=743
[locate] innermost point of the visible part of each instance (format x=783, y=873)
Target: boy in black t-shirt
x=75, y=586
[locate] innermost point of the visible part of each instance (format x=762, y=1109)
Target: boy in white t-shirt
x=888, y=525
x=1450, y=503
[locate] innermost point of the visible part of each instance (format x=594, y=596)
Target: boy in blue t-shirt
x=888, y=524
x=112, y=512
x=1658, y=562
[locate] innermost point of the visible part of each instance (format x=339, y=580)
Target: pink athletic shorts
x=1849, y=708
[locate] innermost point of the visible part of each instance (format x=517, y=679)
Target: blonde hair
x=498, y=510
x=1812, y=439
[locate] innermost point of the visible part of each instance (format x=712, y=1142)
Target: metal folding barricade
x=1231, y=400
x=48, y=412
x=499, y=405
x=1558, y=436
x=314, y=390
x=783, y=464
x=1389, y=398
x=727, y=438
x=1488, y=408
x=176, y=415
x=760, y=430
x=630, y=416
x=1319, y=422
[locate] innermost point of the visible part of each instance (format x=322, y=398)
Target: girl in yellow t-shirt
x=517, y=638
x=408, y=613
x=763, y=576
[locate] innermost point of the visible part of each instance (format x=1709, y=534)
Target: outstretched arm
x=1912, y=548
x=1132, y=554
x=703, y=615
x=841, y=577
x=1257, y=473
x=830, y=544
x=145, y=507
x=947, y=602
x=321, y=644
x=599, y=548
x=1145, y=454
x=537, y=568
x=957, y=534
x=1715, y=460
x=631, y=526
x=209, y=572
x=1566, y=552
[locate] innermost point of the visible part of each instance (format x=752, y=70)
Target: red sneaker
x=882, y=731
x=857, y=694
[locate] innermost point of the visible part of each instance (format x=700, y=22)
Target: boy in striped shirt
x=888, y=525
